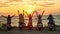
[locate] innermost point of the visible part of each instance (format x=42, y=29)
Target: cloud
x=3, y=1
x=47, y=4
x=50, y=3
x=14, y=0
x=3, y=5
x=6, y=3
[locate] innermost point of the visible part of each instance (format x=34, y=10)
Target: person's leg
x=24, y=26
x=20, y=25
x=8, y=28
x=20, y=28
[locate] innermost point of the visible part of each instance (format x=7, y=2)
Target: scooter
x=51, y=26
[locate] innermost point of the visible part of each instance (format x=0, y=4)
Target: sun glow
x=29, y=11
x=29, y=6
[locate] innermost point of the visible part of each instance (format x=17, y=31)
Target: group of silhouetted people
x=30, y=26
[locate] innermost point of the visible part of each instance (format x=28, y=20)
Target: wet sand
x=16, y=31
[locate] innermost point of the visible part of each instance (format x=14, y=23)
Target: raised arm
x=33, y=13
x=42, y=13
x=26, y=13
x=23, y=12
x=13, y=16
x=4, y=16
x=18, y=12
x=36, y=13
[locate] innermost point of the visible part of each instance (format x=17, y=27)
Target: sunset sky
x=12, y=6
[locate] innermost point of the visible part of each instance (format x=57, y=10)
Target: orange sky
x=12, y=6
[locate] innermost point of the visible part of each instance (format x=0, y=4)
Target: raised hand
x=26, y=13
x=4, y=16
x=42, y=13
x=18, y=12
x=23, y=12
x=36, y=13
x=33, y=13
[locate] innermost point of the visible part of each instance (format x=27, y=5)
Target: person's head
x=8, y=15
x=20, y=14
x=29, y=14
x=50, y=15
x=39, y=15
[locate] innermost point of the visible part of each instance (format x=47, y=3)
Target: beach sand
x=16, y=31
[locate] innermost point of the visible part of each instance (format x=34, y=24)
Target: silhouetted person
x=50, y=18
x=30, y=26
x=39, y=24
x=8, y=21
x=51, y=22
x=21, y=20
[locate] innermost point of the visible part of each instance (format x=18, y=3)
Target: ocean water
x=15, y=20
